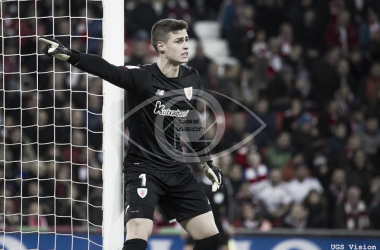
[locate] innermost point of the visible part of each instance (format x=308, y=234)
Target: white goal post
x=113, y=147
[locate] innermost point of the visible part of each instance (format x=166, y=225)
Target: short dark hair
x=162, y=28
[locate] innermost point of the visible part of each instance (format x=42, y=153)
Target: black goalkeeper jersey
x=161, y=109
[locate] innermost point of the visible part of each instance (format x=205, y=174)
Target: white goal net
x=51, y=128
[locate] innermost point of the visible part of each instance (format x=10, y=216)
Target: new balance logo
x=160, y=92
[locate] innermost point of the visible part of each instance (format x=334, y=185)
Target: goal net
x=51, y=150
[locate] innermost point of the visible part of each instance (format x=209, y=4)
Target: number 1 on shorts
x=143, y=181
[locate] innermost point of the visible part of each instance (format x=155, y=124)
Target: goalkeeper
x=152, y=172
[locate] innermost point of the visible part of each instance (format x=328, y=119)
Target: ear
x=161, y=47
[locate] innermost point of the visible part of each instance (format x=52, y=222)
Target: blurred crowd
x=309, y=69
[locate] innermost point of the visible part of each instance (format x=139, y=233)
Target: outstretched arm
x=119, y=76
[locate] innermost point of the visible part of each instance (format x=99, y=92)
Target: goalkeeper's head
x=170, y=40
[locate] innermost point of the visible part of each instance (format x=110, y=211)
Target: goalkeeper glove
x=57, y=50
x=214, y=174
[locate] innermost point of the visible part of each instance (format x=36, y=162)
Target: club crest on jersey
x=188, y=92
x=142, y=192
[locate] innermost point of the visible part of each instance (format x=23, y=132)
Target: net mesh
x=51, y=127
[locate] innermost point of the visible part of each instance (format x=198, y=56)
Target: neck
x=167, y=68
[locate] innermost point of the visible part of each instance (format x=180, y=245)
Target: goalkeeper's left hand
x=214, y=174
x=57, y=50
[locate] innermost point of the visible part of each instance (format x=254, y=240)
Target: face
x=176, y=49
x=354, y=143
x=353, y=195
x=301, y=172
x=359, y=159
x=283, y=140
x=262, y=106
x=254, y=159
x=248, y=212
x=296, y=107
x=298, y=212
x=314, y=197
x=275, y=176
x=339, y=177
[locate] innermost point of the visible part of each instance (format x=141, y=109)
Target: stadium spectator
x=11, y=215
x=234, y=135
x=228, y=12
x=241, y=32
x=322, y=170
x=242, y=152
x=250, y=219
x=255, y=171
x=308, y=34
x=286, y=39
x=336, y=196
x=274, y=61
x=291, y=115
x=359, y=66
x=300, y=186
x=248, y=92
x=297, y=218
x=212, y=81
x=336, y=144
x=303, y=87
x=139, y=53
x=353, y=144
x=374, y=207
x=372, y=82
x=355, y=210
x=328, y=117
x=357, y=122
x=267, y=135
x=259, y=45
x=36, y=218
x=244, y=195
x=279, y=154
x=344, y=74
x=370, y=138
x=225, y=162
x=288, y=172
x=342, y=33
x=316, y=204
x=200, y=61
x=236, y=176
x=358, y=173
x=273, y=198
x=345, y=100
x=281, y=90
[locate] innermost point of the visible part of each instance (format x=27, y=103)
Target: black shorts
x=179, y=194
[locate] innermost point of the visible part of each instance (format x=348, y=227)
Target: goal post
x=113, y=104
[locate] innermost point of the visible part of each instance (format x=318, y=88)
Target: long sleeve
x=134, y=79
